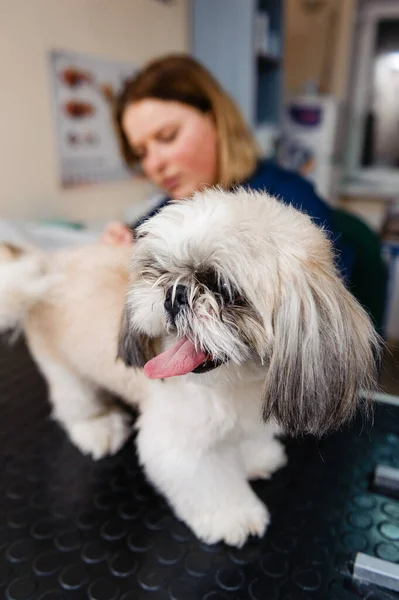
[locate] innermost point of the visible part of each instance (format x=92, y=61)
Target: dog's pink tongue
x=180, y=359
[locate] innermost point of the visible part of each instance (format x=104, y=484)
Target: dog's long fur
x=260, y=297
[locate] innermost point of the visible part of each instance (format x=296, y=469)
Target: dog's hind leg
x=94, y=424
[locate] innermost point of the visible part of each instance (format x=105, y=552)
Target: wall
x=318, y=45
x=128, y=30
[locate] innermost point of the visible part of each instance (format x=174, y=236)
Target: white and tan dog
x=235, y=310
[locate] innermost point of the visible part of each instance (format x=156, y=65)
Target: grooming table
x=73, y=529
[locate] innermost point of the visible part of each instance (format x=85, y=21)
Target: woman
x=185, y=133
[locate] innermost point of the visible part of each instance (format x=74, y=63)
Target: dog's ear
x=324, y=355
x=134, y=348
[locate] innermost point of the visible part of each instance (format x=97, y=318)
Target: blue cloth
x=292, y=189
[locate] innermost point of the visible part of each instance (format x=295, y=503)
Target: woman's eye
x=168, y=136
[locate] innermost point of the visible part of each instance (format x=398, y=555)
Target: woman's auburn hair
x=181, y=78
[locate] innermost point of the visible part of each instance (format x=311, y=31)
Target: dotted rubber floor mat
x=73, y=529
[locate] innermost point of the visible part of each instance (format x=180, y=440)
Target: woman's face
x=176, y=144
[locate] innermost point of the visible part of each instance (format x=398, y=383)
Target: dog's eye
x=231, y=295
x=226, y=292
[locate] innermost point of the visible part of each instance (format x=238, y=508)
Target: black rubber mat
x=74, y=529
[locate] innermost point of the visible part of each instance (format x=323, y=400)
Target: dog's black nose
x=175, y=300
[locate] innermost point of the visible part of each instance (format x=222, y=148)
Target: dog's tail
x=25, y=279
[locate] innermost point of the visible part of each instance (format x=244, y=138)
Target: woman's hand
x=117, y=234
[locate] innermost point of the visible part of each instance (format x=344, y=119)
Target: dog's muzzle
x=176, y=300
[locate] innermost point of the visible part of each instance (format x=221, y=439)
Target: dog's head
x=239, y=283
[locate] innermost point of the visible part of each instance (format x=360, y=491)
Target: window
x=373, y=132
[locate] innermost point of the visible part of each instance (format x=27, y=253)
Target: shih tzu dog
x=234, y=327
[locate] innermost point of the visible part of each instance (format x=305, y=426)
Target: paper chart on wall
x=87, y=144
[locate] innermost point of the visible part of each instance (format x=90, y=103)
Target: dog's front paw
x=101, y=435
x=232, y=525
x=263, y=457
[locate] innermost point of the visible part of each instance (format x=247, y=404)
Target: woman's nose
x=154, y=163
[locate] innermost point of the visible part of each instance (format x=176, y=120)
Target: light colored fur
x=200, y=437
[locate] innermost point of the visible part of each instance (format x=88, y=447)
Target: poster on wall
x=84, y=87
